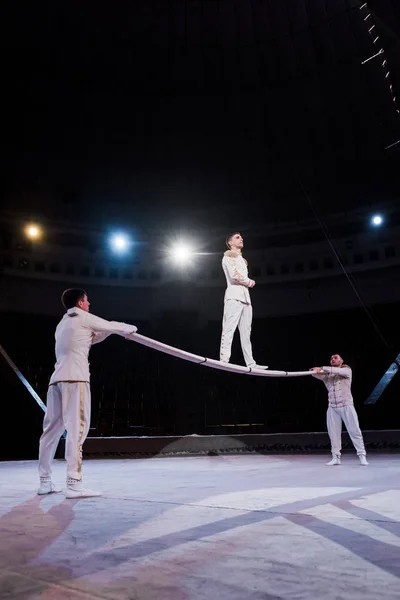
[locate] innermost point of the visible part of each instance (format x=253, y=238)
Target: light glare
x=181, y=253
x=119, y=242
x=33, y=232
x=377, y=220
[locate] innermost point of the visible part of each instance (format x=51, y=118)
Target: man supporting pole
x=337, y=379
x=68, y=397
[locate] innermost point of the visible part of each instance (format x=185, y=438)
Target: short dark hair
x=230, y=236
x=71, y=297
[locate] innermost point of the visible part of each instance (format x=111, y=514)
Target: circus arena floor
x=235, y=527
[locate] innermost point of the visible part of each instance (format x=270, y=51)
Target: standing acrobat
x=238, y=311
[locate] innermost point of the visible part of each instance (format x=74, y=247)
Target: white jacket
x=237, y=277
x=75, y=334
x=337, y=381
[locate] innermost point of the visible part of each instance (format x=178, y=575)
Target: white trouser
x=237, y=314
x=68, y=408
x=348, y=415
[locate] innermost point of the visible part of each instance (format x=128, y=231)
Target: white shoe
x=75, y=489
x=74, y=492
x=81, y=493
x=363, y=460
x=47, y=487
x=258, y=367
x=335, y=461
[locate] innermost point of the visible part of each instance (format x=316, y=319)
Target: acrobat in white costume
x=238, y=311
x=68, y=397
x=337, y=379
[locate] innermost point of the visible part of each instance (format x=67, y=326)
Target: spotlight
x=120, y=242
x=181, y=253
x=33, y=232
x=377, y=220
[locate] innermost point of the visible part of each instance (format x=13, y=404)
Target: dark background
x=207, y=110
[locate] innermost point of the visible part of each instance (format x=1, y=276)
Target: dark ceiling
x=199, y=111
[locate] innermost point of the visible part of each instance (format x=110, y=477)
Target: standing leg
x=350, y=419
x=53, y=428
x=232, y=311
x=76, y=414
x=334, y=424
x=245, y=322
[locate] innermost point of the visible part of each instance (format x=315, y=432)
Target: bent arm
x=318, y=373
x=342, y=371
x=234, y=273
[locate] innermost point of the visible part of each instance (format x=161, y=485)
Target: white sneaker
x=76, y=490
x=363, y=460
x=47, y=487
x=258, y=367
x=335, y=461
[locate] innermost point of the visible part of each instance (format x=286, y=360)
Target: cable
x=348, y=275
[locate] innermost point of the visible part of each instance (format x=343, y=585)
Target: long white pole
x=210, y=362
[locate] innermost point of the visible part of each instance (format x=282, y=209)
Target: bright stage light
x=181, y=253
x=33, y=232
x=120, y=242
x=377, y=220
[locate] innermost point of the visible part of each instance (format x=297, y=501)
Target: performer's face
x=84, y=304
x=236, y=241
x=336, y=360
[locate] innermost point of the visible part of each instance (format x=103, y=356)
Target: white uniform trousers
x=348, y=415
x=68, y=408
x=237, y=314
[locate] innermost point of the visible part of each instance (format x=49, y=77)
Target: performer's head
x=336, y=360
x=75, y=297
x=234, y=241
